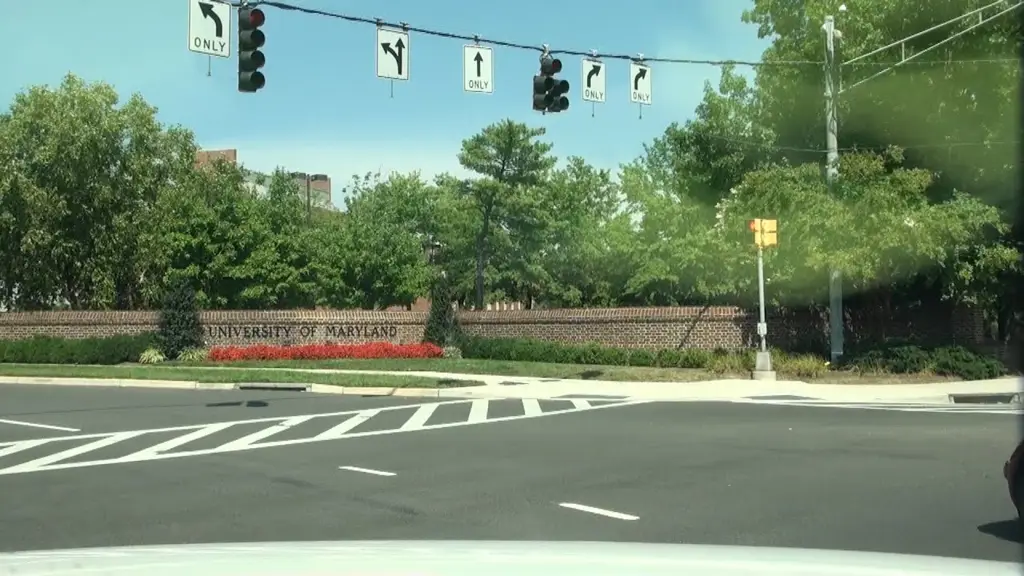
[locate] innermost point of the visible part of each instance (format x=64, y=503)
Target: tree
x=180, y=328
x=442, y=326
x=81, y=177
x=510, y=161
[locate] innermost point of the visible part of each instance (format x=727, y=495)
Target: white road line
x=478, y=411
x=275, y=443
x=340, y=430
x=34, y=425
x=580, y=404
x=21, y=446
x=366, y=471
x=419, y=418
x=531, y=407
x=52, y=458
x=599, y=511
x=245, y=441
x=173, y=443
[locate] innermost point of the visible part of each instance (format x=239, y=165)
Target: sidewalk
x=496, y=386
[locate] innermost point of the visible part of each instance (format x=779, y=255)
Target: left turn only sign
x=209, y=28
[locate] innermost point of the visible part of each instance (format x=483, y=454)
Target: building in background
x=315, y=187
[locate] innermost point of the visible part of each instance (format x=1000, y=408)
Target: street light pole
x=835, y=284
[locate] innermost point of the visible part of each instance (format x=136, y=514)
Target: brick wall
x=694, y=327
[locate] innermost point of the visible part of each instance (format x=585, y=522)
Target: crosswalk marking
x=340, y=430
x=419, y=419
x=419, y=416
x=246, y=441
x=478, y=411
x=531, y=407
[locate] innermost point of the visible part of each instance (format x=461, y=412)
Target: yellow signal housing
x=769, y=233
x=755, y=227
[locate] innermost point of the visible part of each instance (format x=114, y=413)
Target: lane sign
x=593, y=80
x=392, y=54
x=477, y=69
x=209, y=28
x=639, y=84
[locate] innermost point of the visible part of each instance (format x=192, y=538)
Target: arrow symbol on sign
x=207, y=10
x=397, y=54
x=640, y=75
x=479, y=60
x=595, y=69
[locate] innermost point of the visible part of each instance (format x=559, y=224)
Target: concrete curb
x=119, y=383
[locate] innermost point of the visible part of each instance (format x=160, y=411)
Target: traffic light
x=765, y=232
x=549, y=93
x=250, y=40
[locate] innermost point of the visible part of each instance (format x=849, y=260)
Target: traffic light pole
x=763, y=359
x=835, y=280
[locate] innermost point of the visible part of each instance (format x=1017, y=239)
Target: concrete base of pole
x=763, y=367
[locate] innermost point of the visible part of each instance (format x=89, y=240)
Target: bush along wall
x=49, y=350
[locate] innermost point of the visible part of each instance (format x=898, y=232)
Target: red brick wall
x=694, y=327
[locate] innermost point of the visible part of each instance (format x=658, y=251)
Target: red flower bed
x=327, y=351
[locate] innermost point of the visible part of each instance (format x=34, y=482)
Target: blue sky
x=323, y=109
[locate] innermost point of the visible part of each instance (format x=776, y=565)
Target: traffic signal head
x=549, y=94
x=250, y=58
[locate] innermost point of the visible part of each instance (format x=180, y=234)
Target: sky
x=323, y=109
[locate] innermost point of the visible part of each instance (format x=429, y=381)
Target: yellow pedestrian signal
x=765, y=232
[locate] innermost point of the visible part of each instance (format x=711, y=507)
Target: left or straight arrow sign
x=209, y=28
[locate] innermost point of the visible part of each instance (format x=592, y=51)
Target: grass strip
x=229, y=375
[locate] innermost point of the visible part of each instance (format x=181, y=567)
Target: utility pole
x=835, y=281
x=309, y=200
x=832, y=128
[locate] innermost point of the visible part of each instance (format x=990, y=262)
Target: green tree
x=180, y=328
x=81, y=178
x=510, y=161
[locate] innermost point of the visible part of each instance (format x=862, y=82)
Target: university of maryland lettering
x=304, y=331
x=765, y=232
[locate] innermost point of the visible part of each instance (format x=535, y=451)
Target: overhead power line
x=582, y=53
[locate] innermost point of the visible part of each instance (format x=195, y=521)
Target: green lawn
x=222, y=375
x=497, y=368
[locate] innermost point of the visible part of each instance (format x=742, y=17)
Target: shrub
x=325, y=352
x=180, y=328
x=452, y=352
x=908, y=358
x=799, y=365
x=442, y=326
x=50, y=350
x=152, y=356
x=193, y=355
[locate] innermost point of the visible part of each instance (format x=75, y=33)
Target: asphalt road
x=719, y=473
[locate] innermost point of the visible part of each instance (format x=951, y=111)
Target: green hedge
x=899, y=359
x=48, y=350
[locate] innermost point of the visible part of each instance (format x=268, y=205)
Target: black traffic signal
x=250, y=40
x=549, y=93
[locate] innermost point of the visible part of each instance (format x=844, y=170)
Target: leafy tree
x=81, y=177
x=510, y=161
x=180, y=327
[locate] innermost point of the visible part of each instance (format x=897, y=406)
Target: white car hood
x=466, y=558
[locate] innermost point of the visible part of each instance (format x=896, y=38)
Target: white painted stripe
x=34, y=425
x=173, y=443
x=478, y=411
x=292, y=442
x=21, y=446
x=531, y=407
x=366, y=471
x=52, y=458
x=245, y=441
x=580, y=404
x=419, y=418
x=599, y=511
x=340, y=430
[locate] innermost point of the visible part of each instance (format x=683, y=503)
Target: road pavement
x=96, y=467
